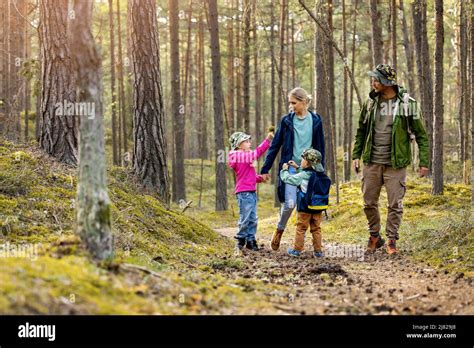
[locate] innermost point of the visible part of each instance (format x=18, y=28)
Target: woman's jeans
x=247, y=202
x=289, y=204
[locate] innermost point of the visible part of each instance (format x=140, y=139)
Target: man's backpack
x=316, y=198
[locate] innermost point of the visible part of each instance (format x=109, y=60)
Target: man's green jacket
x=407, y=121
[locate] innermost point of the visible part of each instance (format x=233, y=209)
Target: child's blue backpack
x=316, y=198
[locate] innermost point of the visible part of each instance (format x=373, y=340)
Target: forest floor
x=169, y=262
x=358, y=284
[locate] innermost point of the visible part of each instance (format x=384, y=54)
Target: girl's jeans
x=289, y=204
x=247, y=202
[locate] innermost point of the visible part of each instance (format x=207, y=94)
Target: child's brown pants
x=314, y=222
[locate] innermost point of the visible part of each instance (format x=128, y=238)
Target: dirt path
x=355, y=283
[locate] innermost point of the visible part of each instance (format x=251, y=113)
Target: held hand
x=285, y=166
x=423, y=172
x=293, y=164
x=270, y=136
x=355, y=166
x=265, y=177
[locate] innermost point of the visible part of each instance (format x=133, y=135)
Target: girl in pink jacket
x=241, y=160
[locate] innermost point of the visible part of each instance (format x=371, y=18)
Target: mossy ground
x=173, y=263
x=37, y=198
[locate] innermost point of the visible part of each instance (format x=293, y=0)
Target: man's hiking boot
x=240, y=243
x=276, y=239
x=375, y=243
x=252, y=245
x=391, y=247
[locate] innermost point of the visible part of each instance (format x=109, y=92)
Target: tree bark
x=246, y=65
x=377, y=41
x=221, y=183
x=258, y=101
x=424, y=70
x=123, y=101
x=393, y=9
x=345, y=113
x=407, y=45
x=58, y=130
x=149, y=152
x=179, y=123
x=438, y=107
x=93, y=214
x=115, y=142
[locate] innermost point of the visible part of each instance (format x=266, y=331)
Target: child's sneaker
x=318, y=254
x=293, y=252
x=240, y=243
x=252, y=245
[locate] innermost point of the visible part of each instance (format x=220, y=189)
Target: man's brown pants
x=374, y=177
x=314, y=222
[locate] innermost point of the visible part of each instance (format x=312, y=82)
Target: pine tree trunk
x=93, y=211
x=202, y=135
x=393, y=9
x=123, y=101
x=246, y=66
x=149, y=152
x=221, y=183
x=347, y=125
x=15, y=93
x=178, y=112
x=438, y=180
x=58, y=130
x=377, y=41
x=230, y=76
x=407, y=45
x=115, y=143
x=258, y=102
x=353, y=56
x=424, y=70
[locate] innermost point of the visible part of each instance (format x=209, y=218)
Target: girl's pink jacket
x=242, y=163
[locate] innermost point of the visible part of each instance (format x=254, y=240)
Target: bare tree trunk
x=187, y=85
x=393, y=9
x=93, y=214
x=4, y=81
x=123, y=101
x=293, y=65
x=221, y=183
x=26, y=55
x=202, y=135
x=331, y=151
x=274, y=116
x=16, y=38
x=438, y=180
x=377, y=41
x=179, y=188
x=281, y=100
x=424, y=70
x=464, y=96
x=149, y=153
x=345, y=114
x=238, y=77
x=258, y=101
x=407, y=44
x=246, y=65
x=58, y=128
x=354, y=30
x=230, y=76
x=115, y=142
